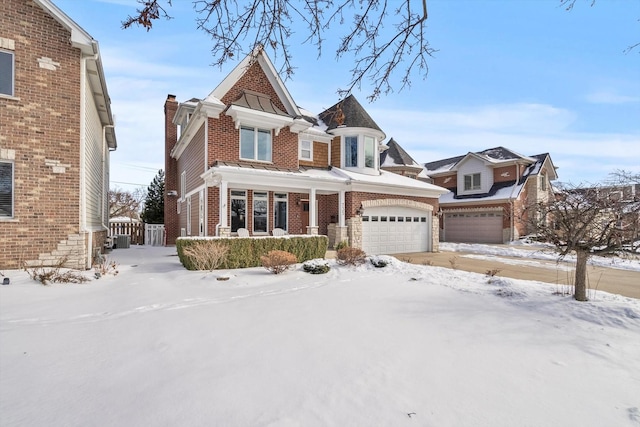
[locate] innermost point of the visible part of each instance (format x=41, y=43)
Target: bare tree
x=124, y=203
x=569, y=4
x=592, y=220
x=240, y=27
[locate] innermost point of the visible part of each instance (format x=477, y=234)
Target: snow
x=358, y=346
x=537, y=252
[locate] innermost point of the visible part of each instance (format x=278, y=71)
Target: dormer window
x=472, y=182
x=255, y=144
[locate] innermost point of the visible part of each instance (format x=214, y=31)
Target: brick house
x=247, y=156
x=56, y=132
x=488, y=192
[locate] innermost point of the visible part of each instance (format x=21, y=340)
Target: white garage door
x=392, y=230
x=473, y=227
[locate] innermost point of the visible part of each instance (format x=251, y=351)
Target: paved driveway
x=616, y=281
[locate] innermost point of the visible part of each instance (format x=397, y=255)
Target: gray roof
x=496, y=153
x=395, y=155
x=348, y=113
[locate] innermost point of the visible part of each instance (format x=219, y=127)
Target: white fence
x=154, y=234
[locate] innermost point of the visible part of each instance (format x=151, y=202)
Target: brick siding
x=41, y=124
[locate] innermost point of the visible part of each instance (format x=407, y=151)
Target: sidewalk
x=616, y=281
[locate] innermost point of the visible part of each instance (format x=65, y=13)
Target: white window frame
x=256, y=132
x=281, y=198
x=12, y=73
x=543, y=182
x=369, y=140
x=302, y=150
x=12, y=183
x=260, y=196
x=472, y=185
x=344, y=144
x=239, y=195
x=183, y=185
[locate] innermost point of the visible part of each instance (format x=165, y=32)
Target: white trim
x=301, y=149
x=256, y=133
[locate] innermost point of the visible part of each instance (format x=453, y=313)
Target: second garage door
x=392, y=230
x=473, y=227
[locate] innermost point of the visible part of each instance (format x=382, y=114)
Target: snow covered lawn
x=402, y=345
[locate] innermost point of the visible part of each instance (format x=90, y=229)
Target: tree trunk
x=580, y=293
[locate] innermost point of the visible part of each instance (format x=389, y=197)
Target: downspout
x=105, y=184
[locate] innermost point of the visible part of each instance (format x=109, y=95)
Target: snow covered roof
x=496, y=156
x=326, y=180
x=396, y=156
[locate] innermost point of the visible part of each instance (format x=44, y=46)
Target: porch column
x=341, y=208
x=313, y=220
x=338, y=232
x=224, y=229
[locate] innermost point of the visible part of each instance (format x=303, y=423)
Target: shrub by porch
x=246, y=252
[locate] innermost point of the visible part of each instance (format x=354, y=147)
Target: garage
x=390, y=230
x=473, y=227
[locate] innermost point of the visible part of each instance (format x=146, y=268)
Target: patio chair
x=243, y=232
x=278, y=232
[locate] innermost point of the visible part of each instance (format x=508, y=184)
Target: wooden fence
x=140, y=233
x=133, y=229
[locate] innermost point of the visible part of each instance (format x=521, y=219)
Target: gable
x=254, y=79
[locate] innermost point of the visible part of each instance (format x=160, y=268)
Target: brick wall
x=40, y=126
x=320, y=156
x=171, y=178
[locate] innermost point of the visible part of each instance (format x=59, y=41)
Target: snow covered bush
x=378, y=262
x=351, y=256
x=316, y=266
x=278, y=261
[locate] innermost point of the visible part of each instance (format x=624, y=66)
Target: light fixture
x=172, y=193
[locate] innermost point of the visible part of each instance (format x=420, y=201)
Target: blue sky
x=523, y=74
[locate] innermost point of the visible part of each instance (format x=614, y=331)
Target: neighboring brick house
x=247, y=156
x=489, y=190
x=56, y=132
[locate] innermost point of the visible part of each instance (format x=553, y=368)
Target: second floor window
x=6, y=73
x=543, y=182
x=255, y=144
x=472, y=182
x=369, y=152
x=351, y=151
x=306, y=150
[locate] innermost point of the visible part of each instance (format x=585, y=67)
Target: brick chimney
x=171, y=181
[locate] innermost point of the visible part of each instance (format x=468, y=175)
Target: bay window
x=369, y=152
x=351, y=151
